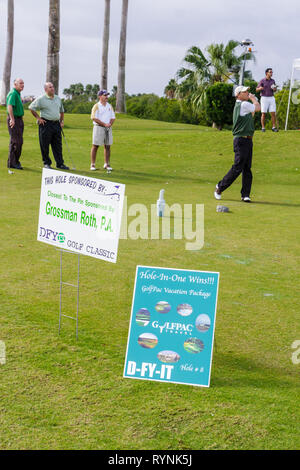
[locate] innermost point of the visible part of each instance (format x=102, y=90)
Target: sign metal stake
x=61, y=284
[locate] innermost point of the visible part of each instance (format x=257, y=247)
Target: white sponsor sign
x=81, y=214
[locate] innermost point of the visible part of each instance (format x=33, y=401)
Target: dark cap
x=103, y=92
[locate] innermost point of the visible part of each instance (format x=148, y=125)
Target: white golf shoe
x=217, y=193
x=107, y=167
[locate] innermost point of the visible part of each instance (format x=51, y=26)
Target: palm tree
x=72, y=90
x=52, y=74
x=120, y=103
x=95, y=90
x=226, y=64
x=195, y=77
x=105, y=42
x=114, y=91
x=67, y=93
x=88, y=91
x=78, y=89
x=170, y=89
x=222, y=59
x=220, y=65
x=9, y=51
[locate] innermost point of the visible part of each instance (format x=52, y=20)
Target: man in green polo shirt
x=50, y=121
x=243, y=130
x=15, y=124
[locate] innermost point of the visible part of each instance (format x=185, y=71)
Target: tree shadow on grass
x=241, y=371
x=33, y=170
x=287, y=204
x=268, y=203
x=134, y=176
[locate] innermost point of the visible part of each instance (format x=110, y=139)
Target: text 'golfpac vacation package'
x=81, y=214
x=172, y=326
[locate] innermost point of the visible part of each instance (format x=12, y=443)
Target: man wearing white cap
x=103, y=117
x=243, y=130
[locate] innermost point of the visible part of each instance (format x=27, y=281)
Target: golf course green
x=61, y=393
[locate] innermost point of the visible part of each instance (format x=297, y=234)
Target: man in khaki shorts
x=103, y=117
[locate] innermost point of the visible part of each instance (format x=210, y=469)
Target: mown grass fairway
x=59, y=393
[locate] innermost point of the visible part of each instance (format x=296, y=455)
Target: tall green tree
x=72, y=90
x=221, y=63
x=120, y=103
x=114, y=91
x=52, y=74
x=78, y=91
x=105, y=43
x=95, y=90
x=88, y=91
x=171, y=88
x=219, y=104
x=9, y=51
x=194, y=77
x=223, y=60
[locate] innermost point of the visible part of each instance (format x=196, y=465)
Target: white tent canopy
x=295, y=66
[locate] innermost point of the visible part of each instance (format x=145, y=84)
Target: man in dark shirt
x=242, y=130
x=51, y=122
x=267, y=87
x=15, y=124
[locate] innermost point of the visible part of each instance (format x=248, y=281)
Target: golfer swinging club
x=243, y=130
x=103, y=117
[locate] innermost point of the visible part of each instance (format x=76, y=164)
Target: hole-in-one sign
x=81, y=214
x=172, y=326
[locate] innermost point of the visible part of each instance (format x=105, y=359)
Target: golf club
x=106, y=138
x=10, y=172
x=106, y=141
x=69, y=152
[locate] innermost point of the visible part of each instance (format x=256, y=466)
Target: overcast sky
x=158, y=36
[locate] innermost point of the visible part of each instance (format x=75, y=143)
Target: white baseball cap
x=240, y=89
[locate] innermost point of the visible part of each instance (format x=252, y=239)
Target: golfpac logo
x=2, y=353
x=177, y=327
